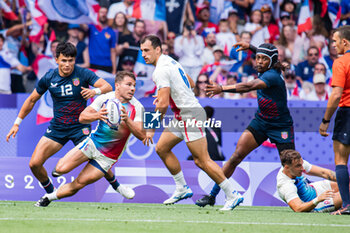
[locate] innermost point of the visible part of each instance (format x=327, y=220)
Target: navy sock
x=215, y=190
x=48, y=186
x=342, y=174
x=113, y=181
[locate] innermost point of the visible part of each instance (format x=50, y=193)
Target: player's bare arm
x=135, y=127
x=213, y=88
x=190, y=80
x=25, y=110
x=101, y=87
x=162, y=103
x=297, y=205
x=90, y=115
x=322, y=172
x=332, y=106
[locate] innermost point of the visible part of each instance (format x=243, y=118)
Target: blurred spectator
x=320, y=68
x=288, y=6
x=8, y=61
x=203, y=27
x=82, y=58
x=120, y=25
x=102, y=41
x=60, y=30
x=260, y=34
x=319, y=92
x=233, y=21
x=231, y=80
x=329, y=59
x=128, y=63
x=201, y=83
x=208, y=57
x=170, y=39
x=287, y=38
x=189, y=47
x=225, y=39
x=125, y=6
x=268, y=21
x=242, y=56
x=345, y=11
x=159, y=28
x=293, y=91
x=258, y=4
x=286, y=19
x=165, y=49
x=305, y=69
x=306, y=88
x=129, y=44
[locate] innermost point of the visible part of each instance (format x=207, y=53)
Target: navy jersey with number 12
x=65, y=91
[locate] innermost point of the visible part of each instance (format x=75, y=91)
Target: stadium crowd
x=204, y=48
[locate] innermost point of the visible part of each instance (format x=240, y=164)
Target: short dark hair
x=312, y=47
x=288, y=156
x=121, y=75
x=67, y=49
x=2, y=37
x=155, y=41
x=344, y=32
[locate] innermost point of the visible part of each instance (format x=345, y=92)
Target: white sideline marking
x=173, y=221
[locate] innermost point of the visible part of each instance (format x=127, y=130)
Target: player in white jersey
x=104, y=145
x=299, y=193
x=174, y=89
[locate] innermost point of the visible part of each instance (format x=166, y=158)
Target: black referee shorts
x=341, y=130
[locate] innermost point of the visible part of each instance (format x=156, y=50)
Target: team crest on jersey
x=86, y=131
x=284, y=135
x=107, y=35
x=76, y=81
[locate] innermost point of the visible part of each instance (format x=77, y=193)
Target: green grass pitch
x=73, y=217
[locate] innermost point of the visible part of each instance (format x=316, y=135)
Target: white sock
x=228, y=188
x=52, y=196
x=179, y=180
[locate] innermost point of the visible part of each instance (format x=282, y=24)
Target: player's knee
x=200, y=163
x=160, y=150
x=236, y=158
x=34, y=165
x=61, y=168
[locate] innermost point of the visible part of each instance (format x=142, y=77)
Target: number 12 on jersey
x=66, y=90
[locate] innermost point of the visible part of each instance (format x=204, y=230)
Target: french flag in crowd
x=7, y=12
x=149, y=9
x=144, y=83
x=70, y=11
x=306, y=12
x=334, y=12
x=38, y=21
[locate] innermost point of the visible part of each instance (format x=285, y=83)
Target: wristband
x=98, y=91
x=315, y=201
x=18, y=121
x=324, y=121
x=230, y=91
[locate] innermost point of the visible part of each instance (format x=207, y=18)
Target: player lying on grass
x=299, y=193
x=104, y=145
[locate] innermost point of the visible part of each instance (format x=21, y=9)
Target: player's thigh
x=246, y=143
x=45, y=148
x=199, y=148
x=341, y=153
x=71, y=160
x=167, y=141
x=89, y=175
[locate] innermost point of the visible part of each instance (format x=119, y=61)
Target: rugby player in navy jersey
x=272, y=120
x=69, y=87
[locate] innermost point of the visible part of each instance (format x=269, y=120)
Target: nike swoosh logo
x=48, y=130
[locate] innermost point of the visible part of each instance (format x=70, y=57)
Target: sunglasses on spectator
x=199, y=82
x=313, y=54
x=290, y=77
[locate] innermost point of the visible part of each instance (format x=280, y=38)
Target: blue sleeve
x=344, y=7
x=43, y=84
x=89, y=76
x=271, y=78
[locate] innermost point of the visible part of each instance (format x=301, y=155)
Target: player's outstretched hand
x=212, y=89
x=13, y=132
x=155, y=101
x=323, y=129
x=242, y=46
x=87, y=93
x=149, y=138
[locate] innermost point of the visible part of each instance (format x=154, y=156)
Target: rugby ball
x=113, y=107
